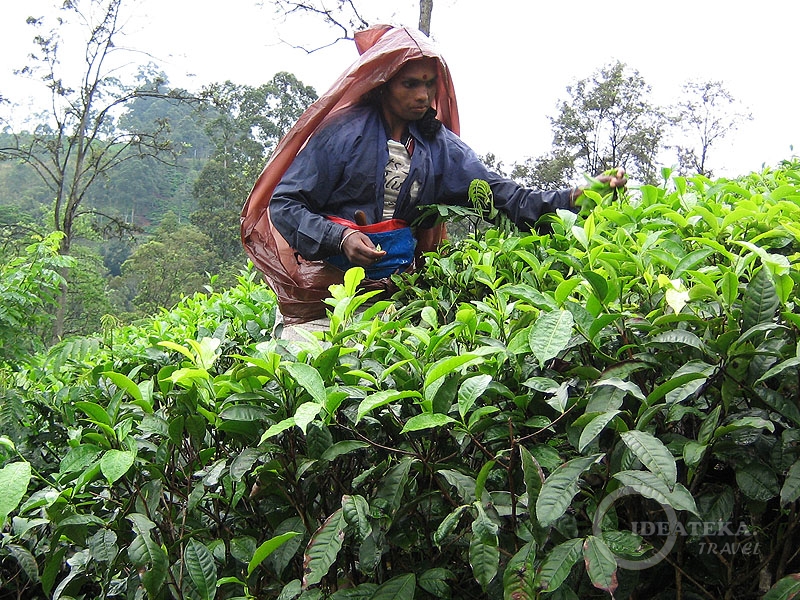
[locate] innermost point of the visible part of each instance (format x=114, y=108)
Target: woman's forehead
x=422, y=68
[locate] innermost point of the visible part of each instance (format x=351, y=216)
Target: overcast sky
x=511, y=60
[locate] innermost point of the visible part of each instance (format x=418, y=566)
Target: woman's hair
x=428, y=125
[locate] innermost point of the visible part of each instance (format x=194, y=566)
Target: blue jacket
x=341, y=170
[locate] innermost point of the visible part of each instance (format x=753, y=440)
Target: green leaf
x=599, y=284
x=103, y=546
x=434, y=581
x=533, y=474
x=678, y=336
x=379, y=399
x=744, y=423
x=448, y=524
x=560, y=487
x=600, y=564
x=760, y=300
x=484, y=559
x=26, y=560
x=356, y=512
x=693, y=453
x=309, y=378
x=14, y=480
x=558, y=564
x=470, y=390
x=278, y=428
x=653, y=454
x=178, y=348
x=434, y=378
x=133, y=390
x=401, y=587
x=653, y=487
x=706, y=432
x=787, y=588
x=790, y=490
x=152, y=562
x=95, y=412
x=594, y=428
x=550, y=334
x=464, y=484
x=342, y=448
x=393, y=486
x=115, y=463
x=323, y=548
x=690, y=261
x=789, y=363
x=267, y=548
x=757, y=482
x=672, y=384
x=625, y=386
x=201, y=568
x=306, y=413
x=426, y=421
x=520, y=573
x=480, y=480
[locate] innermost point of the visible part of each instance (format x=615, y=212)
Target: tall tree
x=348, y=16
x=705, y=114
x=245, y=124
x=550, y=171
x=78, y=142
x=609, y=121
x=173, y=264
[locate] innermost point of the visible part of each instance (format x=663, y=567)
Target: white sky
x=511, y=60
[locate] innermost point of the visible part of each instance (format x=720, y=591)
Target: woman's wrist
x=574, y=194
x=346, y=234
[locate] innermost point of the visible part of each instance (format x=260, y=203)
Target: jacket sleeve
x=297, y=204
x=523, y=206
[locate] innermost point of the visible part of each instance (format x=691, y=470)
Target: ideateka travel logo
x=670, y=529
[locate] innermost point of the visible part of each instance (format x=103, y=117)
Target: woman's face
x=409, y=94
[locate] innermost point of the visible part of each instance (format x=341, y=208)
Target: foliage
x=29, y=286
x=78, y=142
x=551, y=171
x=245, y=124
x=175, y=263
x=705, y=114
x=609, y=121
x=501, y=429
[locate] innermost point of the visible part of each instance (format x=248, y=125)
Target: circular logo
x=645, y=563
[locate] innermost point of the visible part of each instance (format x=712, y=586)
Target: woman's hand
x=605, y=183
x=613, y=178
x=359, y=249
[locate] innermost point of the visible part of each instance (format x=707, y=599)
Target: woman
x=377, y=146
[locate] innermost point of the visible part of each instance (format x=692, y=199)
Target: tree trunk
x=425, y=10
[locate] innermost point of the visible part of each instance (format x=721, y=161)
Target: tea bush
x=607, y=409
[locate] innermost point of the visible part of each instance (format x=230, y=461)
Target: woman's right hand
x=360, y=250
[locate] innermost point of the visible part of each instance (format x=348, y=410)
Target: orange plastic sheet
x=300, y=285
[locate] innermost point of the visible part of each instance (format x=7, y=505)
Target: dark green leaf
x=760, y=300
x=201, y=568
x=560, y=487
x=323, y=549
x=558, y=563
x=653, y=455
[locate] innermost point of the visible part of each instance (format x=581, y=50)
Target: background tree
x=245, y=124
x=177, y=262
x=77, y=143
x=705, y=114
x=549, y=171
x=29, y=285
x=609, y=121
x=346, y=17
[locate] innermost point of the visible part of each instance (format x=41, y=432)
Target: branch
x=329, y=16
